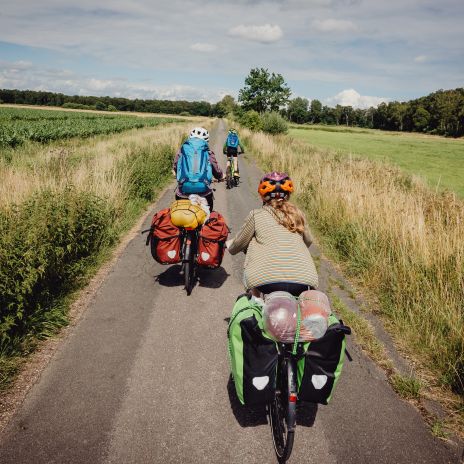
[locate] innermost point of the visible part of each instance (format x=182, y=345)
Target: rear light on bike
x=292, y=397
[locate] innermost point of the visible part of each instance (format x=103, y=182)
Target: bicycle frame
x=289, y=361
x=230, y=172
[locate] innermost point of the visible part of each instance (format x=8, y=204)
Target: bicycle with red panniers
x=191, y=240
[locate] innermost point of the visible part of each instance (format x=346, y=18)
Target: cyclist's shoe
x=237, y=174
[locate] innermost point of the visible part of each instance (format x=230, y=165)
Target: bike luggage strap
x=298, y=326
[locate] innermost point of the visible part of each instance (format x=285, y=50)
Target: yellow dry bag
x=185, y=214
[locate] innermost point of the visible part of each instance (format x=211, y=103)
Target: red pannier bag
x=212, y=241
x=165, y=238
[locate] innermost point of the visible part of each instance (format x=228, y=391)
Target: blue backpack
x=194, y=171
x=232, y=140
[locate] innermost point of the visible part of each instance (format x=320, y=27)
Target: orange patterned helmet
x=275, y=185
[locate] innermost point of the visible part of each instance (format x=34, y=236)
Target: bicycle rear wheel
x=282, y=412
x=189, y=267
x=230, y=176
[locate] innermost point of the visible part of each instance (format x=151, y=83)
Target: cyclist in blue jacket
x=232, y=145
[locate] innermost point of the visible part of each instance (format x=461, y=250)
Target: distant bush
x=184, y=113
x=111, y=108
x=273, y=123
x=100, y=106
x=251, y=119
x=77, y=106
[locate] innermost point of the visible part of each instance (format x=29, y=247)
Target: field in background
x=20, y=125
x=437, y=159
x=122, y=113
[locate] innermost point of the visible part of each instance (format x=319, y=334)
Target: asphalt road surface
x=144, y=378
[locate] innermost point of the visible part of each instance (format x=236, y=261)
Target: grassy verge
x=57, y=230
x=363, y=333
x=399, y=240
x=436, y=159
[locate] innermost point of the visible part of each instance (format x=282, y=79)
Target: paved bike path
x=144, y=378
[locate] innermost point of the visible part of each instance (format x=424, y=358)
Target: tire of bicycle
x=282, y=413
x=230, y=174
x=189, y=269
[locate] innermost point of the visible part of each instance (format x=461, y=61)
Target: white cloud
x=155, y=41
x=352, y=98
x=266, y=33
x=334, y=25
x=203, y=47
x=420, y=59
x=67, y=82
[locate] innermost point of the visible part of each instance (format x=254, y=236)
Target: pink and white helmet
x=200, y=133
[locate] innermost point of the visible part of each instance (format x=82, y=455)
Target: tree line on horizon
x=441, y=112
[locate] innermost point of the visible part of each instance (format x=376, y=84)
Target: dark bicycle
x=189, y=253
x=189, y=250
x=232, y=180
x=282, y=409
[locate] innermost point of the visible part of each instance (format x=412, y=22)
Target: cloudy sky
x=357, y=52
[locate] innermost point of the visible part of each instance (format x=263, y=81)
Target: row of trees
x=30, y=97
x=441, y=112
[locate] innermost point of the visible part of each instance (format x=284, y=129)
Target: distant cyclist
x=276, y=240
x=195, y=165
x=232, y=145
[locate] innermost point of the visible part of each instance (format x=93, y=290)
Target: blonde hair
x=291, y=217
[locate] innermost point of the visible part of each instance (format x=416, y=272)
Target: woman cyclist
x=276, y=240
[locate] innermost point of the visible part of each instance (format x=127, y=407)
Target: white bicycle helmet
x=200, y=133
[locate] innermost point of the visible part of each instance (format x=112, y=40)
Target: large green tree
x=315, y=111
x=264, y=91
x=297, y=110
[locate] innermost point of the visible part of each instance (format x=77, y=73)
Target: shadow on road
x=171, y=277
x=209, y=278
x=253, y=416
x=245, y=416
x=212, y=278
x=306, y=414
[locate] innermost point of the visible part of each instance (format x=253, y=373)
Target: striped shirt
x=273, y=253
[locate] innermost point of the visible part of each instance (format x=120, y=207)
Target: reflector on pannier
x=320, y=368
x=212, y=240
x=165, y=238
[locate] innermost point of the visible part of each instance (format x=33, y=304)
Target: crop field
x=440, y=161
x=18, y=125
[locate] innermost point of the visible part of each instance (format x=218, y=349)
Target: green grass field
x=438, y=160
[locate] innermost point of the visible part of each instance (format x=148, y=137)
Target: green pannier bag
x=253, y=355
x=320, y=368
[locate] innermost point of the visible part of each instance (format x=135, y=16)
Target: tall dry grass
x=401, y=240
